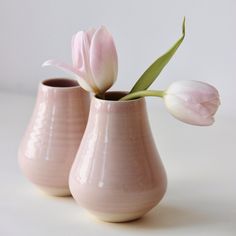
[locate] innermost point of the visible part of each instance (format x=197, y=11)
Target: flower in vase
x=94, y=57
x=192, y=102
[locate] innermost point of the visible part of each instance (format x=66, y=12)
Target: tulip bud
x=192, y=102
x=94, y=57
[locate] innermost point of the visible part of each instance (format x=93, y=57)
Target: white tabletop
x=200, y=200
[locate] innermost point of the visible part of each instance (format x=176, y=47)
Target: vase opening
x=60, y=83
x=115, y=96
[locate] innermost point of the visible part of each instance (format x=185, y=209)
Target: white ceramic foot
x=58, y=192
x=118, y=217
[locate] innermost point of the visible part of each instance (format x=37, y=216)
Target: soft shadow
x=165, y=216
x=161, y=217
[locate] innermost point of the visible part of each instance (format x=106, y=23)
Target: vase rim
x=60, y=83
x=118, y=94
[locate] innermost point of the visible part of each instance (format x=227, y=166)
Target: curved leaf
x=149, y=76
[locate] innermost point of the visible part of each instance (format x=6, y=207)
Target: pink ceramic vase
x=52, y=138
x=117, y=174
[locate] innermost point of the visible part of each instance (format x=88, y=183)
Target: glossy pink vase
x=117, y=174
x=52, y=138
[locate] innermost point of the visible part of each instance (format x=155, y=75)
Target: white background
x=34, y=31
x=200, y=162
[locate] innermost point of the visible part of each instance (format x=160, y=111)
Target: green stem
x=144, y=93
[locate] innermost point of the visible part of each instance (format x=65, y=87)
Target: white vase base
x=57, y=192
x=118, y=217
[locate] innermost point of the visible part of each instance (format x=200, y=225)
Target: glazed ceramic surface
x=117, y=174
x=52, y=138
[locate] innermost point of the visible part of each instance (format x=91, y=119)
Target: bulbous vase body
x=117, y=174
x=50, y=143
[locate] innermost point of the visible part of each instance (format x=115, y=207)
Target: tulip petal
x=76, y=48
x=103, y=59
x=90, y=34
x=193, y=102
x=80, y=55
x=212, y=106
x=85, y=52
x=193, y=91
x=69, y=69
x=185, y=113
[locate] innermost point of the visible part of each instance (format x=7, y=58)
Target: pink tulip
x=192, y=102
x=94, y=57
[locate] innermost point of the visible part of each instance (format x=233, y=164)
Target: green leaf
x=149, y=76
